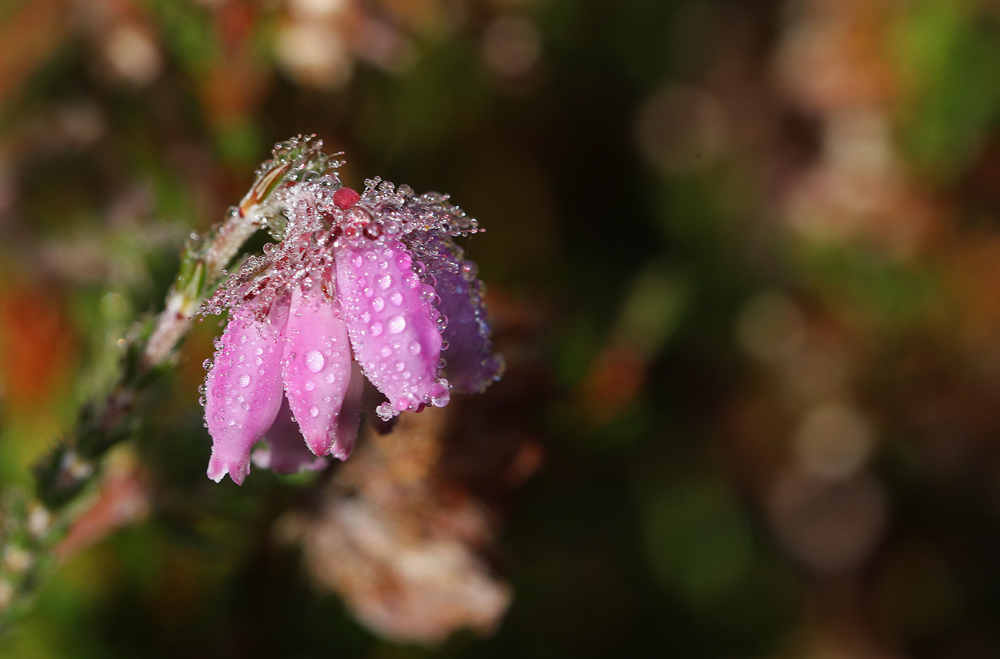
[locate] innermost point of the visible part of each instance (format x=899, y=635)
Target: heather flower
x=358, y=286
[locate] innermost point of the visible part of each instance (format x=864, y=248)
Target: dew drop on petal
x=386, y=351
x=309, y=385
x=315, y=361
x=376, y=328
x=440, y=394
x=384, y=282
x=397, y=324
x=244, y=380
x=414, y=348
x=396, y=298
x=378, y=304
x=314, y=411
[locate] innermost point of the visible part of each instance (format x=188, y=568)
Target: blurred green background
x=744, y=265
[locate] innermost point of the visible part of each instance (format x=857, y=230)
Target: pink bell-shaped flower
x=360, y=284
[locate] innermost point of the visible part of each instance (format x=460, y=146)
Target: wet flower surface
x=368, y=285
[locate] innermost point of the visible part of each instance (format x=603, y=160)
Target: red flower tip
x=344, y=198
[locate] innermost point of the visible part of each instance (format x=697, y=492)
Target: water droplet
x=376, y=328
x=411, y=280
x=314, y=411
x=201, y=401
x=384, y=411
x=378, y=304
x=396, y=298
x=365, y=317
x=207, y=364
x=403, y=261
x=469, y=270
x=258, y=351
x=400, y=366
x=330, y=378
x=232, y=422
x=384, y=282
x=314, y=361
x=413, y=348
x=369, y=292
x=386, y=351
x=440, y=394
x=397, y=324
x=309, y=385
x=244, y=380
x=357, y=261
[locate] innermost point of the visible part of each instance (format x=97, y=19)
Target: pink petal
x=317, y=368
x=389, y=319
x=243, y=391
x=285, y=450
x=350, y=415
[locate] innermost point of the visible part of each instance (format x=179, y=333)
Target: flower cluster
x=368, y=284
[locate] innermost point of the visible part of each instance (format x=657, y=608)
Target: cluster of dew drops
x=316, y=212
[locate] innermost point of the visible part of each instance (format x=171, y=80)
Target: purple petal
x=285, y=450
x=317, y=368
x=471, y=364
x=389, y=319
x=243, y=390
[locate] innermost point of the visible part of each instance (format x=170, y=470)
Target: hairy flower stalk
x=358, y=285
